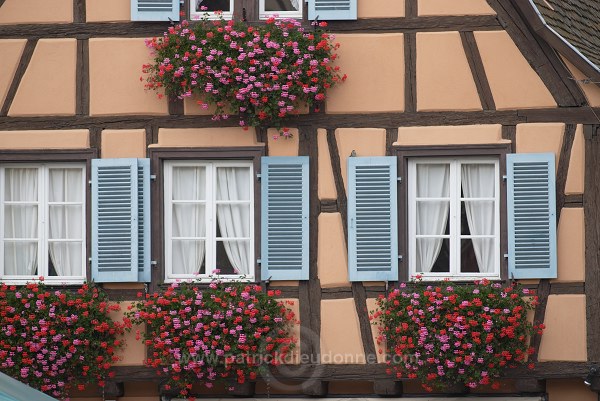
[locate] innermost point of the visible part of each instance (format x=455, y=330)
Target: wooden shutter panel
x=144, y=266
x=332, y=9
x=115, y=228
x=531, y=215
x=154, y=10
x=284, y=218
x=372, y=219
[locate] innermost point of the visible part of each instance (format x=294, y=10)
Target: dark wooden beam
x=563, y=167
x=387, y=388
x=112, y=389
x=360, y=302
x=477, y=70
x=175, y=106
x=567, y=288
x=328, y=206
x=530, y=386
x=342, y=200
x=79, y=11
x=96, y=139
x=82, y=79
x=509, y=132
x=543, y=291
x=391, y=136
x=573, y=200
x=2, y=2
x=246, y=389
x=21, y=68
x=410, y=72
x=411, y=8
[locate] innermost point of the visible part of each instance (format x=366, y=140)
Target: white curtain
x=188, y=219
x=432, y=215
x=295, y=4
x=478, y=181
x=21, y=221
x=65, y=185
x=233, y=219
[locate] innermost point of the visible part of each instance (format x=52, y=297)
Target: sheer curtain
x=233, y=219
x=431, y=215
x=21, y=221
x=188, y=219
x=65, y=185
x=478, y=181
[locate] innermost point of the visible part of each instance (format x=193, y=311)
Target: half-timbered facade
x=423, y=148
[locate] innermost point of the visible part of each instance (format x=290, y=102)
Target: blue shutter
x=143, y=174
x=332, y=9
x=531, y=215
x=115, y=220
x=372, y=219
x=154, y=10
x=284, y=218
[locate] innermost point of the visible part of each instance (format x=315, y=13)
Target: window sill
x=47, y=281
x=209, y=279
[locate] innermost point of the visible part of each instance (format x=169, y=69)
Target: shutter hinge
x=90, y=182
x=504, y=177
x=506, y=256
x=258, y=176
x=153, y=263
x=399, y=179
x=152, y=177
x=400, y=258
x=259, y=261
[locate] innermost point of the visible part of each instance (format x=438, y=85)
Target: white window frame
x=264, y=14
x=210, y=261
x=454, y=217
x=43, y=204
x=211, y=15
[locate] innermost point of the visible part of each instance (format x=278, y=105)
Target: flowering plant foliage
x=55, y=339
x=227, y=331
x=261, y=73
x=444, y=334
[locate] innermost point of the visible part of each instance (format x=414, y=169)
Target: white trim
x=211, y=15
x=265, y=14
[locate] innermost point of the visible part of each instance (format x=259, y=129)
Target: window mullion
x=43, y=215
x=454, y=218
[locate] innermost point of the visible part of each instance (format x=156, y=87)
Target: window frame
x=158, y=156
x=253, y=10
x=59, y=157
x=264, y=14
x=405, y=153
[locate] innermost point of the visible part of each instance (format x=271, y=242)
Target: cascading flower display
x=262, y=74
x=226, y=331
x=54, y=340
x=443, y=334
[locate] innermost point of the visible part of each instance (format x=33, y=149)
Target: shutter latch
x=399, y=179
x=259, y=261
x=153, y=263
x=506, y=256
x=258, y=176
x=400, y=258
x=504, y=177
x=153, y=177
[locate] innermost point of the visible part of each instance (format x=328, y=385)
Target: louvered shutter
x=372, y=219
x=154, y=10
x=116, y=220
x=332, y=10
x=531, y=215
x=143, y=175
x=284, y=218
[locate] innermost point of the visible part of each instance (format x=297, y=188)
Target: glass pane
x=20, y=258
x=21, y=184
x=20, y=221
x=234, y=221
x=433, y=180
x=65, y=222
x=65, y=259
x=65, y=185
x=478, y=180
x=477, y=218
x=189, y=220
x=282, y=5
x=233, y=183
x=213, y=5
x=433, y=255
x=477, y=255
x=233, y=257
x=432, y=217
x=189, y=183
x=188, y=257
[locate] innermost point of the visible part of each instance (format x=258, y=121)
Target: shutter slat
x=332, y=9
x=372, y=221
x=284, y=213
x=531, y=215
x=154, y=10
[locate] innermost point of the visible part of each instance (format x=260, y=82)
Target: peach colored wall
x=281, y=146
x=450, y=135
x=591, y=90
x=107, y=10
x=365, y=141
x=123, y=143
x=48, y=86
x=381, y=8
x=540, y=138
x=569, y=390
x=444, y=78
x=134, y=352
x=206, y=137
x=379, y=348
x=571, y=245
x=115, y=71
x=576, y=174
x=454, y=7
x=36, y=11
x=11, y=50
x=374, y=64
x=332, y=259
x=45, y=139
x=340, y=333
x=558, y=344
x=513, y=82
x=326, y=181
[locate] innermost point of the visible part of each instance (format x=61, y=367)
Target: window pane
x=65, y=258
x=189, y=183
x=478, y=180
x=433, y=180
x=432, y=217
x=477, y=255
x=478, y=218
x=233, y=183
x=20, y=258
x=189, y=220
x=21, y=184
x=188, y=257
x=433, y=255
x=233, y=257
x=65, y=185
x=234, y=221
x=20, y=221
x=213, y=5
x=282, y=5
x=65, y=222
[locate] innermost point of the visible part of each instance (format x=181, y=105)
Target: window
x=209, y=218
x=454, y=217
x=282, y=8
x=42, y=207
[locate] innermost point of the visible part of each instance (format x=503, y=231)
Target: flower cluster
x=53, y=340
x=444, y=334
x=262, y=73
x=227, y=331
